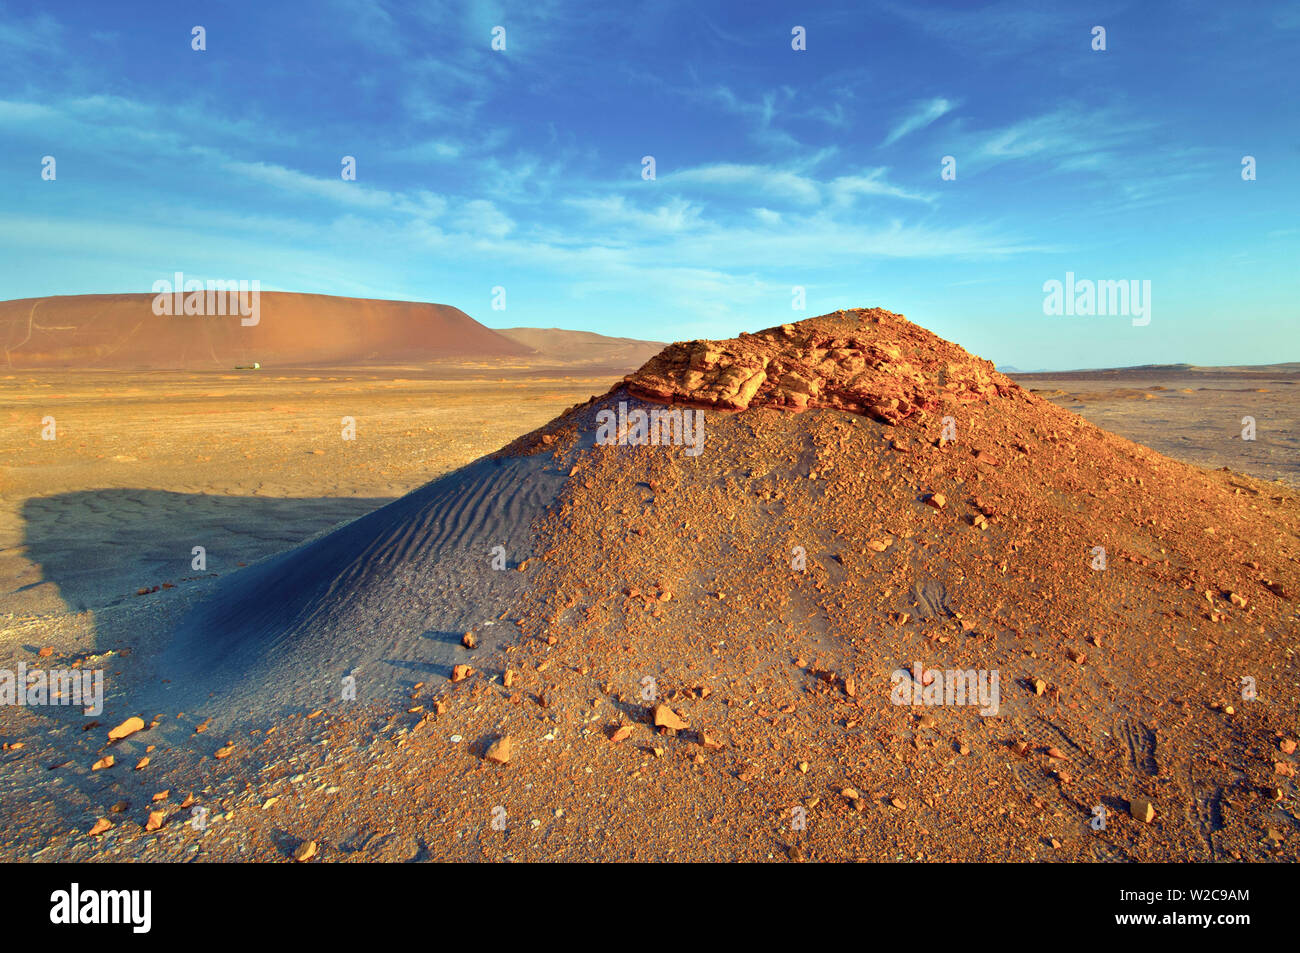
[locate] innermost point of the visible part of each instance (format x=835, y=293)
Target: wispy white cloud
x=796, y=186
x=761, y=113
x=431, y=150
x=748, y=179
x=1071, y=137
x=12, y=112
x=481, y=217
x=922, y=114
x=109, y=124
x=845, y=189
x=293, y=183
x=675, y=215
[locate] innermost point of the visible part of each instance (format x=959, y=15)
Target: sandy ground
x=1191, y=415
x=146, y=466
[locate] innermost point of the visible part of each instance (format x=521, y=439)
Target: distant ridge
x=584, y=347
x=1163, y=369
x=121, y=331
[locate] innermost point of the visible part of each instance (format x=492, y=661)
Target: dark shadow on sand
x=100, y=547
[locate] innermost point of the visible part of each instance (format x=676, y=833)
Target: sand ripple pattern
x=384, y=598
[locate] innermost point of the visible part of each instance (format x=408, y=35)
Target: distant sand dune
x=120, y=331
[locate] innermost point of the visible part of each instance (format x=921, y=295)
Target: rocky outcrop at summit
x=865, y=361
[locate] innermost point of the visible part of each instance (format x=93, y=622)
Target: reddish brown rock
x=499, y=751
x=1142, y=809
x=665, y=717
x=126, y=728
x=867, y=361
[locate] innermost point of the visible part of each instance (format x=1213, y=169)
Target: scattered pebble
x=500, y=750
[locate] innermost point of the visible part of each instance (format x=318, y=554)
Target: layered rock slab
x=866, y=361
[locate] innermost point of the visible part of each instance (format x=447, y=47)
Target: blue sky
x=775, y=168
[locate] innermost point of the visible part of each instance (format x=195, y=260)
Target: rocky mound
x=869, y=361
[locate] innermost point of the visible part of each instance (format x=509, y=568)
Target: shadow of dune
x=302, y=602
x=101, y=546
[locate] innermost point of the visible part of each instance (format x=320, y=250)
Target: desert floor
x=147, y=466
x=1194, y=415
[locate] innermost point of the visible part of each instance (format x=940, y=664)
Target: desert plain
x=535, y=735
